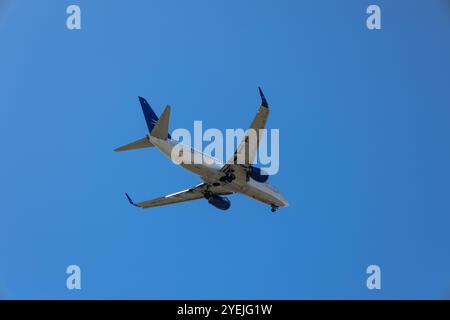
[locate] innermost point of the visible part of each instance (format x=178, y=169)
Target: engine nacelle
x=222, y=203
x=258, y=175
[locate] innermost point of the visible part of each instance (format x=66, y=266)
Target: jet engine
x=257, y=174
x=222, y=203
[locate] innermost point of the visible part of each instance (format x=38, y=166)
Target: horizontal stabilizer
x=161, y=128
x=138, y=144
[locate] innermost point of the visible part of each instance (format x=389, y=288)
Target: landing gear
x=229, y=177
x=274, y=208
x=207, y=194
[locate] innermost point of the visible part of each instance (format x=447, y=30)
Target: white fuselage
x=210, y=172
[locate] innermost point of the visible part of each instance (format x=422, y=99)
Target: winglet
x=129, y=200
x=263, y=98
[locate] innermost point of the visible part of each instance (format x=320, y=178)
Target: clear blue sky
x=364, y=119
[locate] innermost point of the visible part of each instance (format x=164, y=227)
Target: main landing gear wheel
x=228, y=178
x=207, y=194
x=274, y=209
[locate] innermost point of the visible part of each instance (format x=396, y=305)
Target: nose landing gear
x=274, y=208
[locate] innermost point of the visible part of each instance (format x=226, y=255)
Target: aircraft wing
x=194, y=193
x=247, y=150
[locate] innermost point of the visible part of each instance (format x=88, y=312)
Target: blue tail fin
x=150, y=117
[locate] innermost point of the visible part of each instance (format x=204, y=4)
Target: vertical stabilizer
x=150, y=117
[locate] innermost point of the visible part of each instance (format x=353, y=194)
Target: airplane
x=219, y=179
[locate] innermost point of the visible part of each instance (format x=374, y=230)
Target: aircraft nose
x=283, y=202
